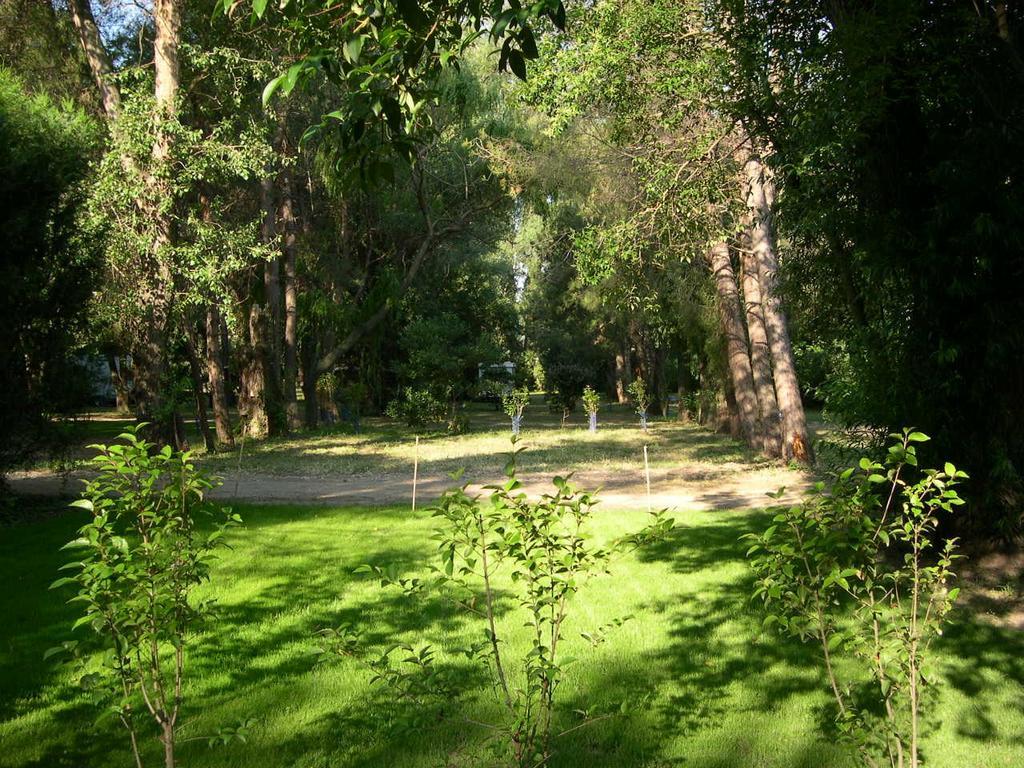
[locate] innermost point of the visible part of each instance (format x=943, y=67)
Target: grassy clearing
x=708, y=687
x=384, y=446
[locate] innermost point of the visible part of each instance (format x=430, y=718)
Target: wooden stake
x=415, y=471
x=647, y=474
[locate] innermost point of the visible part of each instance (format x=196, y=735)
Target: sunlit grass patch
x=703, y=684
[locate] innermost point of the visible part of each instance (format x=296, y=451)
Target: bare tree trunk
x=760, y=356
x=149, y=347
x=291, y=309
x=253, y=390
x=156, y=278
x=760, y=196
x=271, y=280
x=215, y=374
x=195, y=372
x=738, y=355
x=661, y=380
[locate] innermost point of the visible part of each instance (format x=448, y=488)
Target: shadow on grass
x=716, y=675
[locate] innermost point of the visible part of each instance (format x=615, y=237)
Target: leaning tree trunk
x=99, y=61
x=760, y=357
x=760, y=195
x=154, y=284
x=217, y=379
x=738, y=355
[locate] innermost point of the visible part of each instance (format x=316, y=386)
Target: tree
x=893, y=144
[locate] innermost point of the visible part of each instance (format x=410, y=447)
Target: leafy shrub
x=417, y=408
x=540, y=553
x=566, y=382
x=458, y=424
x=139, y=560
x=858, y=569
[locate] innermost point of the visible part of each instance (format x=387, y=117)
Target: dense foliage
x=894, y=128
x=49, y=265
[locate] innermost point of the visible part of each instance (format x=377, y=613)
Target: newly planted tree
x=515, y=403
x=138, y=563
x=591, y=403
x=641, y=399
x=859, y=569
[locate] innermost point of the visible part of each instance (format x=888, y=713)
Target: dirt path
x=681, y=487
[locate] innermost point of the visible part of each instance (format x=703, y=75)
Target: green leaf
x=353, y=48
x=259, y=7
x=517, y=63
x=271, y=88
x=918, y=437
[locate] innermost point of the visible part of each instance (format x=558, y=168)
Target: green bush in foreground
x=140, y=558
x=540, y=553
x=858, y=569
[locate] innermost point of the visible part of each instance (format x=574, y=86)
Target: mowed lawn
x=704, y=685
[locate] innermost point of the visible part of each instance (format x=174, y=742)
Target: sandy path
x=681, y=487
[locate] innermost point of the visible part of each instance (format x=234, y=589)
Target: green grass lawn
x=708, y=688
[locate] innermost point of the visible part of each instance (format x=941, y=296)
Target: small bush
x=591, y=402
x=641, y=399
x=515, y=403
x=500, y=554
x=138, y=562
x=859, y=570
x=417, y=408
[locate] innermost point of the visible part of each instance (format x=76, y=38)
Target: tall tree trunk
x=621, y=374
x=760, y=196
x=119, y=379
x=196, y=374
x=156, y=284
x=291, y=309
x=271, y=280
x=661, y=379
x=259, y=379
x=150, y=347
x=760, y=356
x=738, y=355
x=99, y=61
x=252, y=405
x=215, y=374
